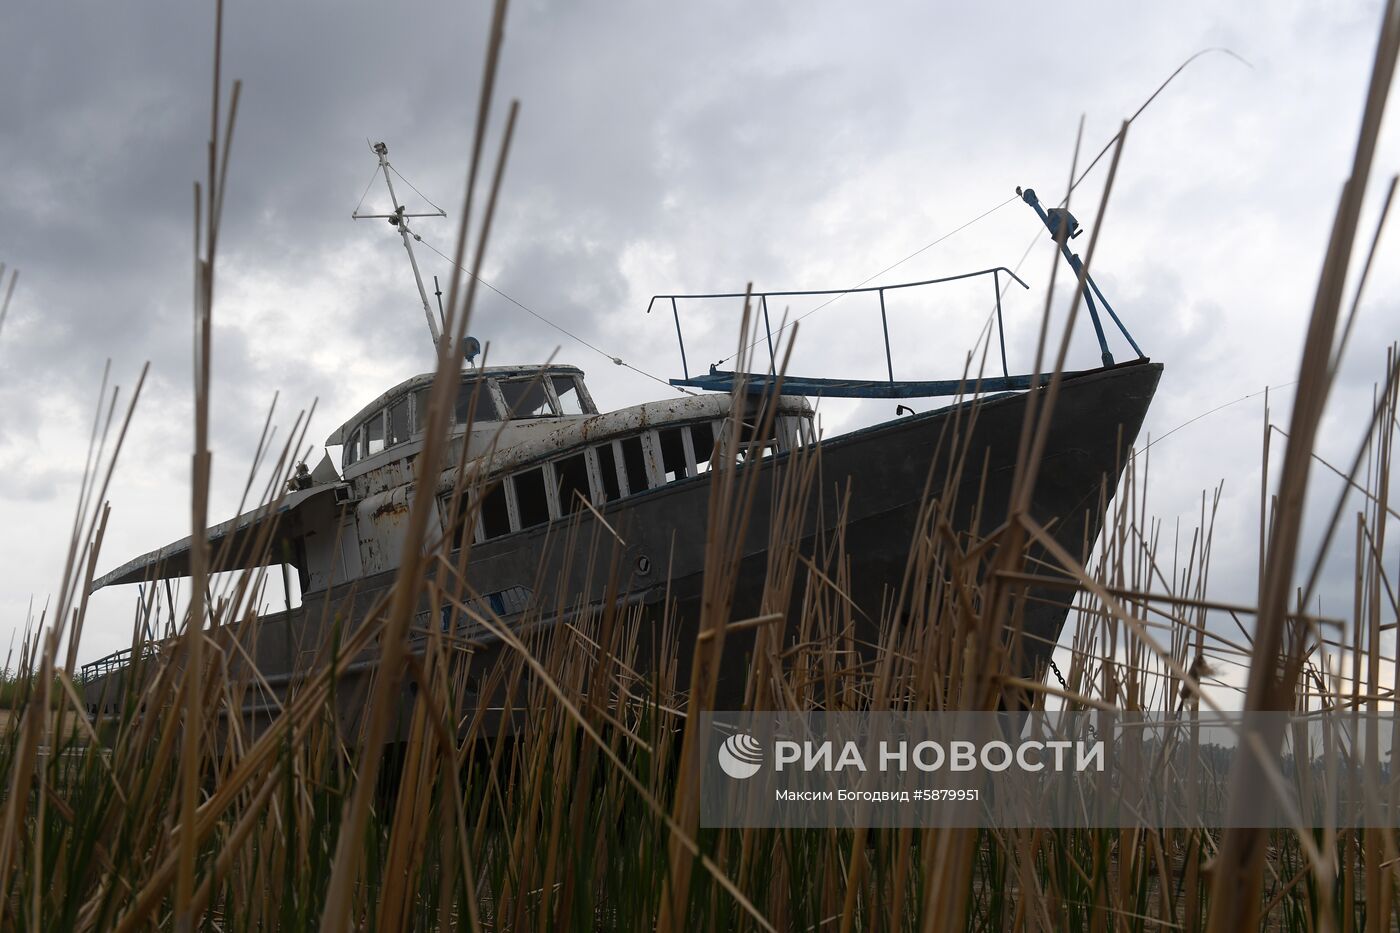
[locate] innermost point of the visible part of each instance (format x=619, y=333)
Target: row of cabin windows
x=477, y=402
x=609, y=471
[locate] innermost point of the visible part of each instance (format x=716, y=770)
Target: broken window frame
x=537, y=380
x=487, y=395
x=585, y=404
x=585, y=400
x=485, y=398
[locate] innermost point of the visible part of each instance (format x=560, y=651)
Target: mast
x=399, y=219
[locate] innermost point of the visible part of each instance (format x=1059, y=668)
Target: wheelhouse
x=537, y=450
x=484, y=396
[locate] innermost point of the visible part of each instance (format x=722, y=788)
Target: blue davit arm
x=1055, y=219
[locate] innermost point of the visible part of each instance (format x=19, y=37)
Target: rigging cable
x=1160, y=88
x=415, y=190
x=1129, y=122
x=1185, y=424
x=365, y=193
x=615, y=360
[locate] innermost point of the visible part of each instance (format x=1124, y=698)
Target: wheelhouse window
x=526, y=398
x=570, y=399
x=420, y=410
x=474, y=404
x=373, y=431
x=398, y=422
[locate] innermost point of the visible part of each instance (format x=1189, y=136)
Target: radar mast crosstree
x=399, y=220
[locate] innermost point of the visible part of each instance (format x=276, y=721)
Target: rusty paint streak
x=391, y=507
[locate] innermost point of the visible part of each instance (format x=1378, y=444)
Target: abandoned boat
x=547, y=457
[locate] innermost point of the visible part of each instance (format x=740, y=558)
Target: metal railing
x=115, y=661
x=762, y=298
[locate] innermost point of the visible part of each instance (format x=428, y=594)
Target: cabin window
x=621, y=471
x=607, y=473
x=634, y=464
x=495, y=512
x=531, y=500
x=566, y=391
x=757, y=451
x=702, y=442
x=571, y=481
x=374, y=434
x=464, y=528
x=398, y=422
x=793, y=432
x=750, y=444
x=673, y=463
x=474, y=403
x=420, y=410
x=526, y=398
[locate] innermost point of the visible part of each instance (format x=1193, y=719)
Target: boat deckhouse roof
x=423, y=380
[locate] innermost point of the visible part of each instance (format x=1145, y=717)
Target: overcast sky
x=660, y=148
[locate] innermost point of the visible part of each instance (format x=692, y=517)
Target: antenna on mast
x=399, y=220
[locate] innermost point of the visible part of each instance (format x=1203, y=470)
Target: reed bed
x=172, y=809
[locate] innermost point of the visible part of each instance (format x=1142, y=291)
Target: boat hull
x=872, y=483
